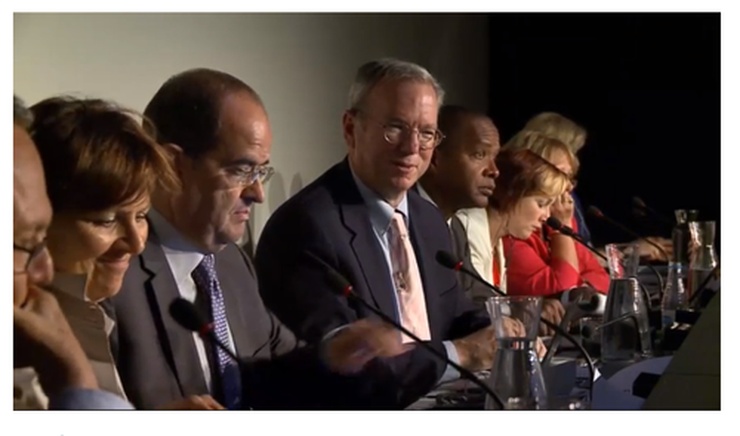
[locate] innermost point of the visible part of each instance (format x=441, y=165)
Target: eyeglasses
x=34, y=254
x=395, y=132
x=248, y=176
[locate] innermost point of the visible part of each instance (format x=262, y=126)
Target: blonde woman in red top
x=544, y=262
x=526, y=188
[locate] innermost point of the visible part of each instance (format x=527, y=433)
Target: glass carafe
x=516, y=375
x=702, y=256
x=680, y=234
x=625, y=333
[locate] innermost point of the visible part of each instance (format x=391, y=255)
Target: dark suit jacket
x=157, y=359
x=330, y=219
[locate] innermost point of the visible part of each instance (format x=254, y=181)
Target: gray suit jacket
x=156, y=358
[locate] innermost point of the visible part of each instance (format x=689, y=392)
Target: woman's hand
x=563, y=208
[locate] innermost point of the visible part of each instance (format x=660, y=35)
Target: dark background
x=645, y=86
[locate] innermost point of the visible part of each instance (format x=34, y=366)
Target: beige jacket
x=92, y=328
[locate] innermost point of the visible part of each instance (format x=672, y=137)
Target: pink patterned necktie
x=406, y=277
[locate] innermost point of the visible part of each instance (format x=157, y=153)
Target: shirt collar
x=425, y=195
x=381, y=212
x=183, y=255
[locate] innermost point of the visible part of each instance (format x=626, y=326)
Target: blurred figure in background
x=574, y=137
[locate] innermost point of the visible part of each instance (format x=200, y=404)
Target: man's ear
x=177, y=157
x=435, y=160
x=348, y=128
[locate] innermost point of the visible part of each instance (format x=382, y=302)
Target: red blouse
x=532, y=271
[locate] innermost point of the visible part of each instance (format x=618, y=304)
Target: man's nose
x=254, y=191
x=41, y=269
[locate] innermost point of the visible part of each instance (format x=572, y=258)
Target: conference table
x=687, y=379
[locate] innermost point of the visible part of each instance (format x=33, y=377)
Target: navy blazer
x=330, y=219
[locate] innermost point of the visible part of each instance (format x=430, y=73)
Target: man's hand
x=539, y=348
x=650, y=252
x=360, y=342
x=195, y=402
x=476, y=350
x=553, y=311
x=43, y=339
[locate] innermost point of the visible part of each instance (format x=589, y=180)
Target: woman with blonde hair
x=556, y=126
x=526, y=188
x=568, y=132
x=547, y=262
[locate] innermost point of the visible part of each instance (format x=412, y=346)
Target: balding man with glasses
x=216, y=131
x=362, y=218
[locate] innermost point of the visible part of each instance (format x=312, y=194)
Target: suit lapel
x=365, y=246
x=370, y=257
x=236, y=282
x=179, y=348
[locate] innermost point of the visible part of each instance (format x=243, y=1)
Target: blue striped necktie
x=206, y=280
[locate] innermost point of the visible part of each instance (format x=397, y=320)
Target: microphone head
x=338, y=282
x=637, y=201
x=589, y=305
x=186, y=314
x=587, y=332
x=595, y=211
x=448, y=260
x=554, y=223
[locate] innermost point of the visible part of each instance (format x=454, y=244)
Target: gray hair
x=21, y=115
x=369, y=74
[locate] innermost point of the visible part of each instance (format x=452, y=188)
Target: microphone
x=448, y=260
x=555, y=224
x=187, y=316
x=640, y=205
x=588, y=332
x=577, y=309
x=596, y=212
x=342, y=286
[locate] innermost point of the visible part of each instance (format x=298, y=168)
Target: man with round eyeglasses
x=395, y=132
x=363, y=219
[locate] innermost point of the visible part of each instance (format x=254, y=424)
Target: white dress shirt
x=182, y=258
